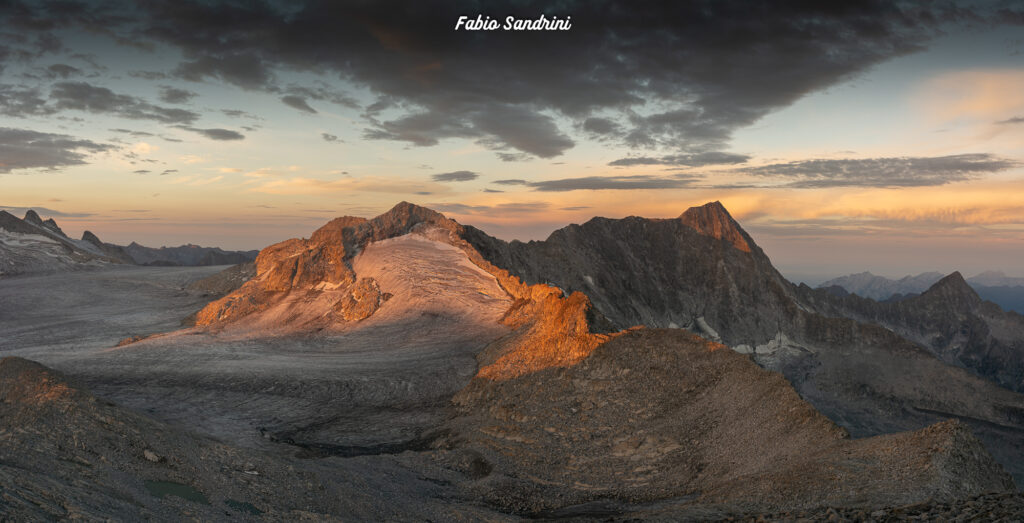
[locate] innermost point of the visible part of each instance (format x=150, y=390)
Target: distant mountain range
x=1006, y=291
x=32, y=245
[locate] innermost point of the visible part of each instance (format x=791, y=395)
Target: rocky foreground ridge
x=563, y=412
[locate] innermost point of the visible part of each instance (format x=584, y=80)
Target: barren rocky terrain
x=410, y=368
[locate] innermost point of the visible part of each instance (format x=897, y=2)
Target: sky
x=881, y=136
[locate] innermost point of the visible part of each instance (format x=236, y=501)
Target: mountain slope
x=655, y=414
x=354, y=343
x=951, y=320
x=702, y=272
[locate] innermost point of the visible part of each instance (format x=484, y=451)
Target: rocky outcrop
x=112, y=251
x=363, y=299
x=34, y=246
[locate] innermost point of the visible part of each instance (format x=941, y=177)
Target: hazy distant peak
x=33, y=218
x=713, y=220
x=91, y=238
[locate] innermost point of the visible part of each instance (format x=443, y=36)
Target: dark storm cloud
x=687, y=160
x=455, y=176
x=706, y=68
x=26, y=149
x=1015, y=119
x=298, y=102
x=174, y=95
x=882, y=172
x=676, y=75
x=83, y=96
x=246, y=70
x=215, y=134
x=597, y=183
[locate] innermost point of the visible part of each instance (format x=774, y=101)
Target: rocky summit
x=620, y=369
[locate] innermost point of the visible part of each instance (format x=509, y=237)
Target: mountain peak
x=953, y=287
x=92, y=238
x=712, y=219
x=33, y=218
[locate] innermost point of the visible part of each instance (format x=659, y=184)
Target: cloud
x=26, y=149
x=236, y=113
x=330, y=137
x=455, y=176
x=215, y=134
x=597, y=183
x=881, y=172
x=302, y=185
x=20, y=102
x=1015, y=119
x=514, y=157
x=298, y=102
x=82, y=96
x=174, y=95
x=243, y=69
x=692, y=61
x=62, y=71
x=323, y=93
x=43, y=211
x=514, y=181
x=601, y=126
x=688, y=160
x=493, y=191
x=131, y=132
x=501, y=208
x=142, y=171
x=523, y=129
x=677, y=76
